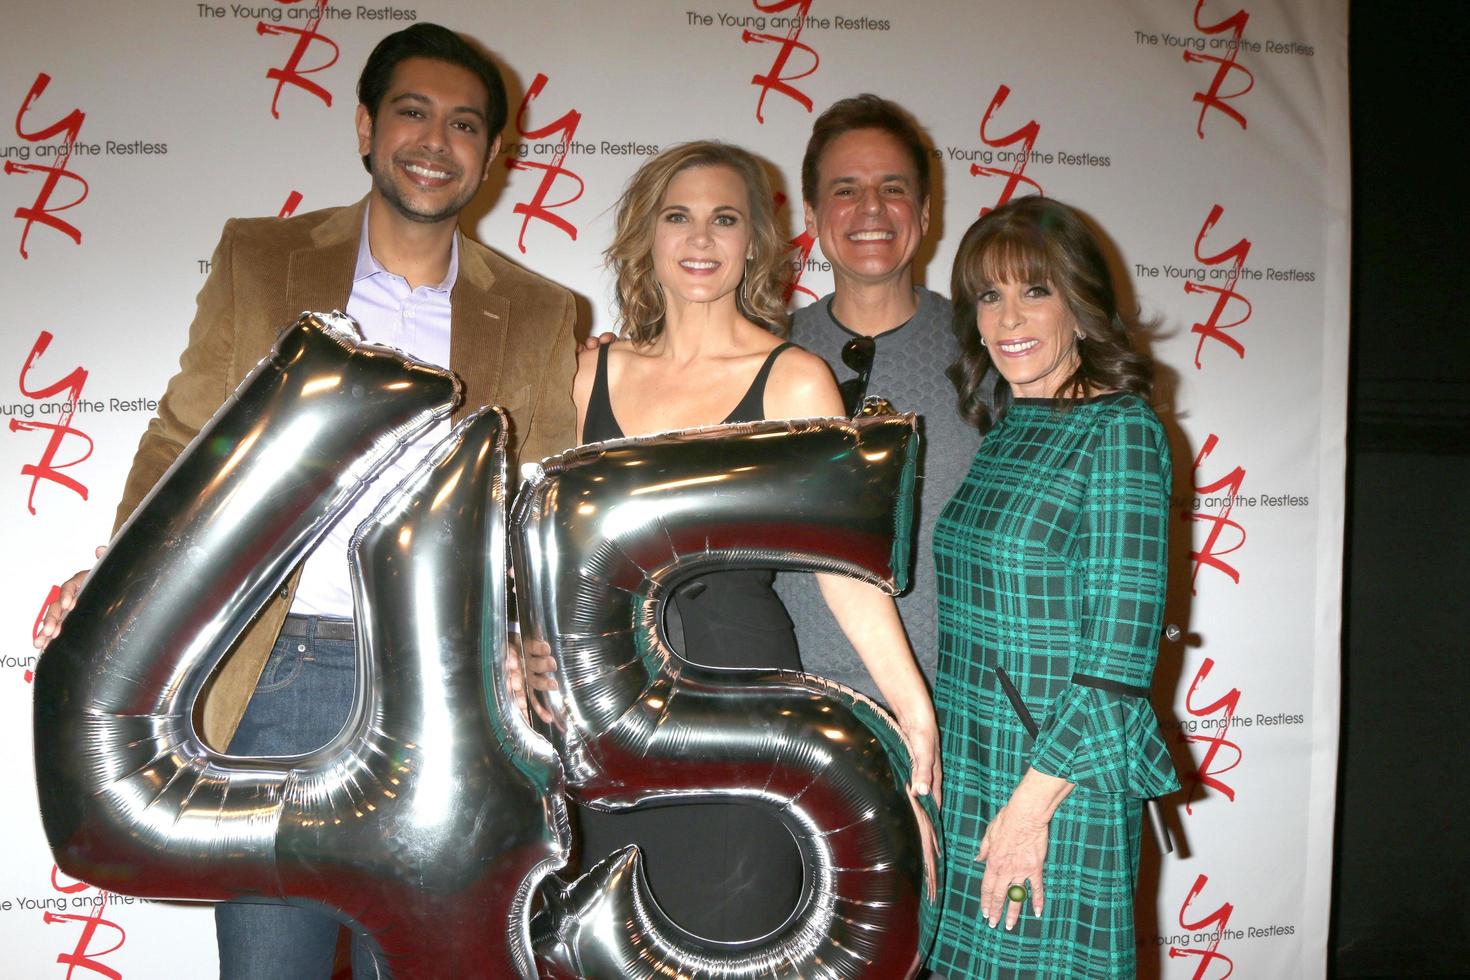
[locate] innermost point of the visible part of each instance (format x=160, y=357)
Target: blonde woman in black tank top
x=701, y=271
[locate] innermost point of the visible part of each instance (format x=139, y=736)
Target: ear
x=924, y=218
x=490, y=157
x=811, y=219
x=364, y=122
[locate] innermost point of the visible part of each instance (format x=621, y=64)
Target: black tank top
x=601, y=424
x=725, y=871
x=719, y=619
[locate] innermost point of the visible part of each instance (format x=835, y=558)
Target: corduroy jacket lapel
x=480, y=321
x=319, y=278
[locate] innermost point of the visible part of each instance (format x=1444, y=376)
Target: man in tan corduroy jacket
x=430, y=112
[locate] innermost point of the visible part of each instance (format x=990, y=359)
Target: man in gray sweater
x=865, y=185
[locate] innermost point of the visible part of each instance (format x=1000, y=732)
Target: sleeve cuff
x=1105, y=741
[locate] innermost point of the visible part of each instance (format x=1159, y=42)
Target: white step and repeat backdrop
x=1209, y=140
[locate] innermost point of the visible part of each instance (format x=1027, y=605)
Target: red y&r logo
x=1213, y=99
x=1025, y=135
x=774, y=79
x=1221, y=495
x=1221, y=713
x=71, y=126
x=83, y=956
x=801, y=246
x=1208, y=955
x=292, y=73
x=71, y=386
x=788, y=44
x=537, y=208
x=1213, y=328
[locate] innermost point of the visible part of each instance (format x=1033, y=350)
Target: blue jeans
x=301, y=702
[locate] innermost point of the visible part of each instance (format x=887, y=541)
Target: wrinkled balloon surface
x=430, y=818
x=601, y=536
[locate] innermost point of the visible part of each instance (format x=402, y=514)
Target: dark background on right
x=1402, y=884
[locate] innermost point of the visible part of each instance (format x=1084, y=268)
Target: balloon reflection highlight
x=430, y=819
x=601, y=536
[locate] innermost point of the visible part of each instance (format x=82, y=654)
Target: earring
x=742, y=293
x=983, y=343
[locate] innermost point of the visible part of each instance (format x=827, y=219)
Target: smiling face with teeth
x=702, y=236
x=1031, y=334
x=428, y=146
x=868, y=212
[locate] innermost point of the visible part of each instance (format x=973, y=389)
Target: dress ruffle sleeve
x=1106, y=742
x=1100, y=731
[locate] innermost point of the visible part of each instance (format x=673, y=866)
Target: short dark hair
x=866, y=111
x=439, y=44
x=1033, y=240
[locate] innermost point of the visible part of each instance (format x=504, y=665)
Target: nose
x=1011, y=316
x=435, y=134
x=871, y=203
x=699, y=234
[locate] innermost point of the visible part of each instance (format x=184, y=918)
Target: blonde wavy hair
x=761, y=297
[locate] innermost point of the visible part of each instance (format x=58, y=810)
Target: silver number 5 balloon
x=601, y=536
x=432, y=816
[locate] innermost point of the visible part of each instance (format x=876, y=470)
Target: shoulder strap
x=600, y=424
x=752, y=407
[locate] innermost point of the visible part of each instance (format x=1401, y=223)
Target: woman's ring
x=1016, y=893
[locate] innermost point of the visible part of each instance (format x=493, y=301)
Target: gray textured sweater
x=908, y=370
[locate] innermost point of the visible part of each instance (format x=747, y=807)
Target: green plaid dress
x=1051, y=562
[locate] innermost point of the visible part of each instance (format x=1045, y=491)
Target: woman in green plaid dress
x=1051, y=571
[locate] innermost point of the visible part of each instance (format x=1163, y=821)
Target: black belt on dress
x=1112, y=687
x=1151, y=808
x=321, y=627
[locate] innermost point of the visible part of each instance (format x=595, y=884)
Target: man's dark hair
x=439, y=44
x=866, y=111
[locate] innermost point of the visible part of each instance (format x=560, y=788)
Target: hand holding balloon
x=436, y=810
x=539, y=666
x=56, y=612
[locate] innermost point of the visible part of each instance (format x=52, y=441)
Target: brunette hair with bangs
x=1040, y=240
x=761, y=297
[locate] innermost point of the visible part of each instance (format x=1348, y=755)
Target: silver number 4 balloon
x=438, y=811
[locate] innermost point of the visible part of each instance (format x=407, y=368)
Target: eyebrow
x=685, y=208
x=419, y=99
x=885, y=178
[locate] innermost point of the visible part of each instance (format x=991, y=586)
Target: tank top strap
x=752, y=407
x=600, y=423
